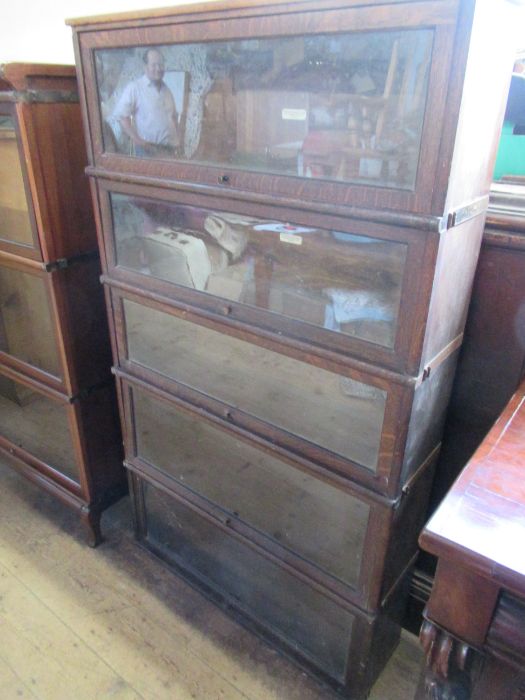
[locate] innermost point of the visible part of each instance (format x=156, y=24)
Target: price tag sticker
x=296, y=115
x=292, y=238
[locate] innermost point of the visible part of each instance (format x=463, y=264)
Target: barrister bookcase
x=287, y=287
x=58, y=420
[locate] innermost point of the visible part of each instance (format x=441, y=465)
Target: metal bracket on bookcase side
x=62, y=263
x=84, y=393
x=469, y=211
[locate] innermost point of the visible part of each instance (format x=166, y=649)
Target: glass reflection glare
x=346, y=107
x=343, y=282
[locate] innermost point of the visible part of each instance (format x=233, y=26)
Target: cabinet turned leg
x=445, y=676
x=91, y=520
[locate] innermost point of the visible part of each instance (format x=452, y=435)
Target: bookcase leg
x=91, y=520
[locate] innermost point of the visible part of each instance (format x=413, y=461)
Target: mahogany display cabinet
x=59, y=424
x=288, y=245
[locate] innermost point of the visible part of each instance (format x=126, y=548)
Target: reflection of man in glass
x=146, y=110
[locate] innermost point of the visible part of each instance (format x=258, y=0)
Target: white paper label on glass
x=296, y=115
x=292, y=238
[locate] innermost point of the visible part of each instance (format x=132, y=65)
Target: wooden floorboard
x=115, y=623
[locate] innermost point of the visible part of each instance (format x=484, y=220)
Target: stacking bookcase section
x=324, y=102
x=52, y=322
x=290, y=200
x=59, y=425
x=330, y=282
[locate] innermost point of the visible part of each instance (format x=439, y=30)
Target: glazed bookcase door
x=323, y=414
x=39, y=427
x=49, y=323
x=355, y=288
x=31, y=332
x=339, y=116
x=17, y=223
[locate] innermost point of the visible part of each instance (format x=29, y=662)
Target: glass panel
x=346, y=107
x=343, y=282
x=15, y=224
x=305, y=514
x=37, y=424
x=26, y=328
x=338, y=413
x=311, y=623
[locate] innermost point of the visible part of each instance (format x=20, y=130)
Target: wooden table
x=474, y=629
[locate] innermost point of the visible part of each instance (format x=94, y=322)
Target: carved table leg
x=91, y=519
x=446, y=676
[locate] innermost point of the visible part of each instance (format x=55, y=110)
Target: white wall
x=34, y=31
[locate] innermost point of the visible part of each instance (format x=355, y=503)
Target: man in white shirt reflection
x=147, y=113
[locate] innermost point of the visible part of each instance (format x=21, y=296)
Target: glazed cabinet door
x=52, y=325
x=17, y=223
x=330, y=105
x=39, y=427
x=31, y=338
x=355, y=288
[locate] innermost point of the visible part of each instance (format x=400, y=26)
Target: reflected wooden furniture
x=285, y=341
x=58, y=422
x=473, y=633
